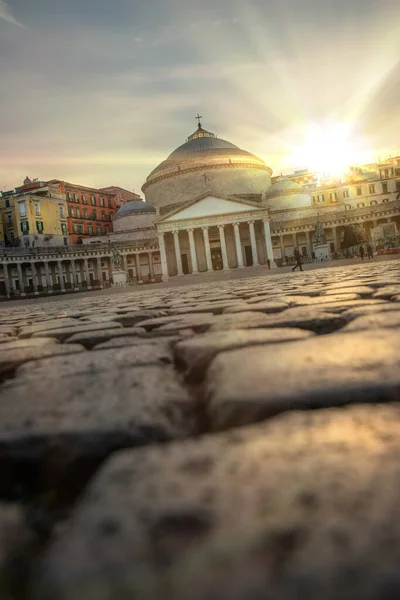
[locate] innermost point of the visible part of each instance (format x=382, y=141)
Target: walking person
x=370, y=252
x=297, y=257
x=361, y=250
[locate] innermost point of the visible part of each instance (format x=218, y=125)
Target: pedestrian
x=361, y=250
x=268, y=263
x=370, y=251
x=297, y=257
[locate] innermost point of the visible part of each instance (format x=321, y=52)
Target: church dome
x=285, y=193
x=205, y=163
x=134, y=206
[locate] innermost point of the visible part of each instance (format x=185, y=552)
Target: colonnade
x=207, y=247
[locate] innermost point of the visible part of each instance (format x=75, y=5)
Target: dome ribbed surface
x=284, y=187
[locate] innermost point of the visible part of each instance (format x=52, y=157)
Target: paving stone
x=55, y=432
x=44, y=326
x=268, y=307
x=150, y=324
x=145, y=353
x=374, y=321
x=251, y=384
x=195, y=354
x=15, y=541
x=7, y=338
x=361, y=290
x=311, y=318
x=304, y=506
x=314, y=301
x=124, y=341
x=387, y=292
x=133, y=318
x=12, y=358
x=89, y=339
x=27, y=343
x=366, y=309
x=66, y=332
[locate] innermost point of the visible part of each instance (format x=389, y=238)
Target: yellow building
x=36, y=217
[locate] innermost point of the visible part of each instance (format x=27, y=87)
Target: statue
x=116, y=260
x=320, y=238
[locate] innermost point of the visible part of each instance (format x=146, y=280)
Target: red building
x=90, y=210
x=121, y=196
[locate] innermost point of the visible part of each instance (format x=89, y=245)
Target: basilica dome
x=205, y=163
x=284, y=194
x=134, y=221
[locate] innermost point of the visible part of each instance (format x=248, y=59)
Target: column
x=336, y=238
x=281, y=236
x=207, y=249
x=294, y=241
x=224, y=253
x=34, y=278
x=99, y=271
x=87, y=276
x=238, y=246
x=178, y=253
x=61, y=275
x=21, y=279
x=193, y=252
x=151, y=266
x=163, y=256
x=48, y=282
x=138, y=269
x=268, y=243
x=73, y=269
x=253, y=244
x=6, y=279
x=124, y=263
x=309, y=244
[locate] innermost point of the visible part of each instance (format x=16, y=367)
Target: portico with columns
x=214, y=233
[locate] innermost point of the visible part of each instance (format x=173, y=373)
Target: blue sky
x=99, y=92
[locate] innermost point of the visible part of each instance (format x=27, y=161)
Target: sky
x=98, y=92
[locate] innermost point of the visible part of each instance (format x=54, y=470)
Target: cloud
x=6, y=14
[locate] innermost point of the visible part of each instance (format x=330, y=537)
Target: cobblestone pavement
x=227, y=440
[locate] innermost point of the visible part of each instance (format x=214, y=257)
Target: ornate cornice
x=206, y=167
x=198, y=223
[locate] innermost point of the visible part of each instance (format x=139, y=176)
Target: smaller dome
x=134, y=206
x=284, y=187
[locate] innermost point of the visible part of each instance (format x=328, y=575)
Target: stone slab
x=248, y=385
x=90, y=339
x=12, y=358
x=305, y=506
x=66, y=332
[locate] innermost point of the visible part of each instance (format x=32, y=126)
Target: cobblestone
x=258, y=419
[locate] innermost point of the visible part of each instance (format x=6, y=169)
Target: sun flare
x=329, y=148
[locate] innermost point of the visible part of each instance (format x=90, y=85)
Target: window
x=106, y=230
x=75, y=227
x=109, y=203
x=8, y=202
x=94, y=214
x=9, y=220
x=84, y=199
x=85, y=213
x=384, y=188
x=360, y=205
x=90, y=229
x=321, y=197
x=81, y=228
x=110, y=217
x=98, y=229
x=64, y=228
x=347, y=207
x=37, y=208
x=69, y=197
x=24, y=227
x=71, y=211
x=22, y=209
x=93, y=200
x=345, y=193
x=333, y=196
x=397, y=173
x=39, y=226
x=373, y=202
x=78, y=212
x=76, y=196
x=101, y=201
x=385, y=200
x=372, y=189
x=103, y=215
x=359, y=191
x=61, y=211
x=313, y=199
x=398, y=186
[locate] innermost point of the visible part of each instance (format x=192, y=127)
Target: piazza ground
x=219, y=437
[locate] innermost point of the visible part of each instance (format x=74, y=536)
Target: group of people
x=298, y=257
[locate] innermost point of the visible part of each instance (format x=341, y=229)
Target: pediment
x=209, y=206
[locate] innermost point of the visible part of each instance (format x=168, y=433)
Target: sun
x=329, y=148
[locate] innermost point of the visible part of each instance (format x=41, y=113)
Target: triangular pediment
x=210, y=206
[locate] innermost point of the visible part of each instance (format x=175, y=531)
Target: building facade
x=121, y=196
x=90, y=211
